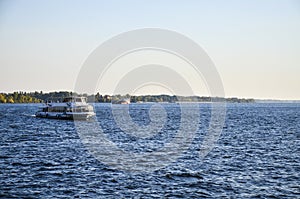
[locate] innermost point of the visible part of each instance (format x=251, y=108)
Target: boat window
x=78, y=99
x=56, y=109
x=67, y=100
x=81, y=109
x=77, y=110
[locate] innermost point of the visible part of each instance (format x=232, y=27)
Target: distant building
x=122, y=101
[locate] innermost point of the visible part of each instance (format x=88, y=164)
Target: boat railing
x=66, y=99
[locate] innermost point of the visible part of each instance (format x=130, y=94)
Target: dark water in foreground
x=256, y=156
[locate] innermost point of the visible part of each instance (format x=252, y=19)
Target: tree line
x=18, y=97
x=39, y=97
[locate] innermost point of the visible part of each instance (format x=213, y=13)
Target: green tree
x=2, y=98
x=10, y=99
x=15, y=96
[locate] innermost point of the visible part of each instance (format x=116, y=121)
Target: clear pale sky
x=254, y=44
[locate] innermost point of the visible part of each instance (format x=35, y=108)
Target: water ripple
x=257, y=156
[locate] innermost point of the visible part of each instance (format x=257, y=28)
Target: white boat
x=70, y=108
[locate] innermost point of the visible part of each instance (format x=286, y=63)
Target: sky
x=254, y=44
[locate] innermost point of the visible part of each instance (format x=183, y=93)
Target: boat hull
x=65, y=116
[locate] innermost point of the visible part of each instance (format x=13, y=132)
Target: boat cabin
x=75, y=99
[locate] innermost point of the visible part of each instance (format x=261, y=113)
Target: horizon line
x=262, y=99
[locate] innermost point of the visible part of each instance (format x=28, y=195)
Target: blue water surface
x=256, y=156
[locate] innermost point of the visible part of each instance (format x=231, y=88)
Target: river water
x=256, y=155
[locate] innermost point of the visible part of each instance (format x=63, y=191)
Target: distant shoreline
x=40, y=97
